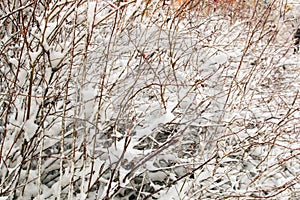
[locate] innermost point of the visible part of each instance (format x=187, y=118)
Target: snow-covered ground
x=140, y=100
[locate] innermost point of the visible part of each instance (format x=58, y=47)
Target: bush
x=146, y=100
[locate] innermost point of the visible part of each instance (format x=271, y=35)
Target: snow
x=30, y=129
x=22, y=77
x=190, y=105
